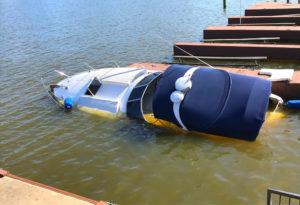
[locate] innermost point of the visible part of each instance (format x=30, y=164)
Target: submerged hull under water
x=197, y=99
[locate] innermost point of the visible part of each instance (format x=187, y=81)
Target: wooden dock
x=269, y=9
x=285, y=33
x=16, y=190
x=271, y=51
x=287, y=90
x=253, y=39
x=256, y=20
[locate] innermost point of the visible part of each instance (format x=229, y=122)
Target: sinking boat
x=105, y=90
x=198, y=99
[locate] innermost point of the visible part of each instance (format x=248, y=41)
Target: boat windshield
x=93, y=87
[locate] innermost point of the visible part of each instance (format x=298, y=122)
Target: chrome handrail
x=291, y=197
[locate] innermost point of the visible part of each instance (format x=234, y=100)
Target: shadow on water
x=137, y=132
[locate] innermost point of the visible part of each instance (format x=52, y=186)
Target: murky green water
x=124, y=161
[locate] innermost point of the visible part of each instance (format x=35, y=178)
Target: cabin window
x=93, y=87
x=139, y=104
x=147, y=99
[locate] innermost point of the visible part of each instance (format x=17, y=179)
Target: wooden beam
x=269, y=9
x=264, y=19
x=224, y=58
x=271, y=51
x=243, y=39
x=286, y=33
x=263, y=24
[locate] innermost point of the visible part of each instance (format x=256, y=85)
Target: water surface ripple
x=124, y=161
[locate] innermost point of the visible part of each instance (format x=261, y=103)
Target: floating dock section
x=288, y=90
x=270, y=51
x=269, y=9
x=16, y=190
x=285, y=33
x=251, y=37
x=264, y=20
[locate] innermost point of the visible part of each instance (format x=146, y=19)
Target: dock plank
x=268, y=9
x=286, y=33
x=271, y=51
x=16, y=190
x=264, y=19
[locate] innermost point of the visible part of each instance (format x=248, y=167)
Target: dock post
x=224, y=4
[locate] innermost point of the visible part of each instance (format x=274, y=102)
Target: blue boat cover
x=219, y=102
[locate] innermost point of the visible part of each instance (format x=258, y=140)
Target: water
x=124, y=161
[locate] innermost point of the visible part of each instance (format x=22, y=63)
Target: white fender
x=278, y=74
x=182, y=86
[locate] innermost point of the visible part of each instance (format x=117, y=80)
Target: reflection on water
x=125, y=161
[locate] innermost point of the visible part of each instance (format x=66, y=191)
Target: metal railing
x=279, y=197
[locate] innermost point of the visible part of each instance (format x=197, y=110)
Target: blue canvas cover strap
x=162, y=105
x=182, y=86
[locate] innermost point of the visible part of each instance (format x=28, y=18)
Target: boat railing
x=279, y=197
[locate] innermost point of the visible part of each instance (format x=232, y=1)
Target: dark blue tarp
x=219, y=102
